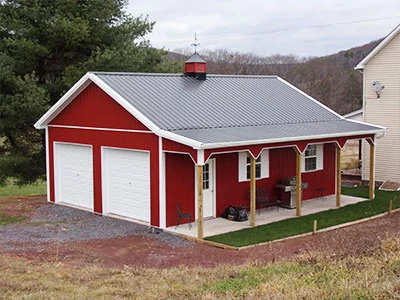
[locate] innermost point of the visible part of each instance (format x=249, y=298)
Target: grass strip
x=11, y=189
x=6, y=219
x=304, y=224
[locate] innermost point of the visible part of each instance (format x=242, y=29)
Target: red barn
x=136, y=145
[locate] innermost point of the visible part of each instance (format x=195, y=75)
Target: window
x=206, y=177
x=262, y=165
x=258, y=167
x=310, y=161
x=313, y=158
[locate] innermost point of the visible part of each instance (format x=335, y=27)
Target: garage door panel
x=74, y=174
x=127, y=182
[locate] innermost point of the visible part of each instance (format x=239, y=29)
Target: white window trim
x=242, y=161
x=320, y=160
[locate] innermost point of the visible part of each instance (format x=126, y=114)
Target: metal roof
x=177, y=102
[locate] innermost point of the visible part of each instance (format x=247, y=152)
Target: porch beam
x=199, y=201
x=338, y=175
x=371, y=169
x=252, y=190
x=298, y=181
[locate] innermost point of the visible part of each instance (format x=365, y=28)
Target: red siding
x=282, y=164
x=180, y=179
x=179, y=171
x=172, y=146
x=195, y=67
x=94, y=108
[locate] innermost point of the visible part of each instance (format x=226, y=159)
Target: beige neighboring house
x=381, y=105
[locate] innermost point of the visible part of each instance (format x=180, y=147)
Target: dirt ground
x=145, y=251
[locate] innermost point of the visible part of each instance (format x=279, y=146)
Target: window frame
x=319, y=158
x=243, y=165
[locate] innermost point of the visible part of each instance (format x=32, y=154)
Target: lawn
x=310, y=276
x=37, y=188
x=304, y=224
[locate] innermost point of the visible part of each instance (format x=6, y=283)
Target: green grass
x=38, y=188
x=6, y=219
x=304, y=224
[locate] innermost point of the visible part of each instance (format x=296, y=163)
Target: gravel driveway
x=57, y=223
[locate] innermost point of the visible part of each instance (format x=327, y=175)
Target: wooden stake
x=390, y=206
x=298, y=181
x=371, y=169
x=315, y=227
x=252, y=191
x=200, y=202
x=338, y=175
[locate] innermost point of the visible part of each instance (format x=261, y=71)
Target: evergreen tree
x=45, y=47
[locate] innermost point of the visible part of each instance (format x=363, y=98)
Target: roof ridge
x=252, y=125
x=178, y=74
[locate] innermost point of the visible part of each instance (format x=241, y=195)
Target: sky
x=267, y=27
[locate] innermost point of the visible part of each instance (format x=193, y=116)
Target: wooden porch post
x=338, y=175
x=199, y=202
x=252, y=190
x=371, y=169
x=298, y=181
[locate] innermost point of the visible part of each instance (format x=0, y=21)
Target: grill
x=287, y=186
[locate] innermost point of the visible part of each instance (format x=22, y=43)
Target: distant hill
x=330, y=79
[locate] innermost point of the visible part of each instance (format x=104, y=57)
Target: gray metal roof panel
x=276, y=132
x=177, y=102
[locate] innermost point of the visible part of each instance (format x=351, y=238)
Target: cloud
x=268, y=27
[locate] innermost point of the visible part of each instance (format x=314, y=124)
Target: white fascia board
x=354, y=113
x=292, y=139
x=309, y=97
x=378, y=48
x=76, y=89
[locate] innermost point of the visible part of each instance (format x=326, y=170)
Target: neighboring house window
x=313, y=158
x=262, y=165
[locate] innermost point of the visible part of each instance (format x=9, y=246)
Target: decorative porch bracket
x=252, y=190
x=199, y=202
x=338, y=175
x=298, y=181
x=371, y=169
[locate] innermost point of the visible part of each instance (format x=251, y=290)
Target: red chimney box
x=196, y=67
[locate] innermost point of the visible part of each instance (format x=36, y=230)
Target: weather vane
x=195, y=44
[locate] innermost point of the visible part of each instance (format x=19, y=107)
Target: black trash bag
x=242, y=215
x=230, y=213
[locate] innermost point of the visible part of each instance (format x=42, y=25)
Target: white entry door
x=126, y=183
x=209, y=189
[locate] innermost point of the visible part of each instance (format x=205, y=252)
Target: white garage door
x=126, y=183
x=74, y=174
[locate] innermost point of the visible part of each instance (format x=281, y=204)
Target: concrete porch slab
x=217, y=226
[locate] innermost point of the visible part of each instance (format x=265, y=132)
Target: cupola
x=196, y=67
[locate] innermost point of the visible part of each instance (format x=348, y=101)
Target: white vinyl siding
x=263, y=163
x=319, y=159
x=385, y=111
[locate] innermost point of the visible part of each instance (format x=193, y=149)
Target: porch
x=217, y=226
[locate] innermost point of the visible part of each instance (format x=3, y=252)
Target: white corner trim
x=48, y=163
x=309, y=97
x=378, y=48
x=162, y=188
x=200, y=157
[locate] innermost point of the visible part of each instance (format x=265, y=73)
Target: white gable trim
x=83, y=83
x=378, y=48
